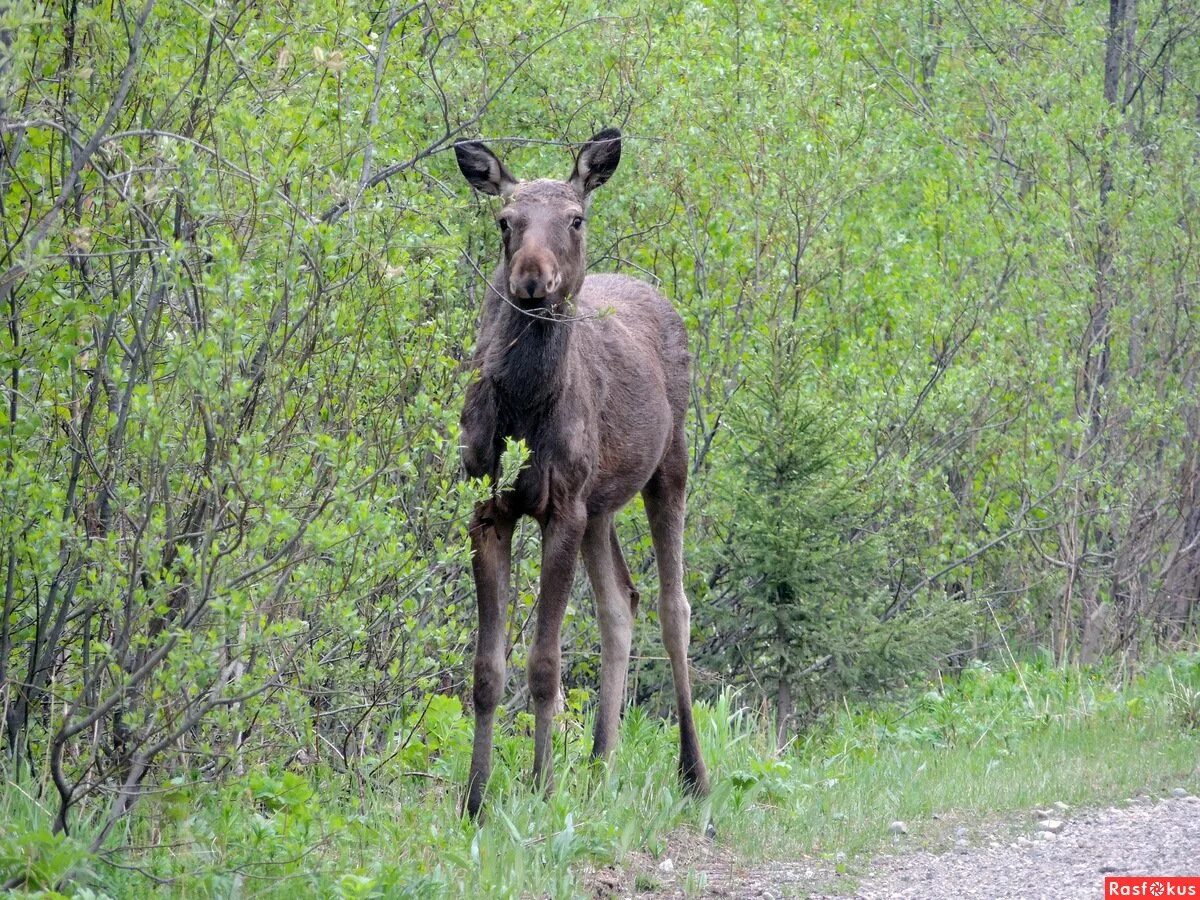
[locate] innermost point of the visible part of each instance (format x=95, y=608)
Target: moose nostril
x=531, y=287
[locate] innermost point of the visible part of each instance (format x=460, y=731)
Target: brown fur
x=592, y=373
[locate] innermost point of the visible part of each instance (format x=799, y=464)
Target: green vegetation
x=983, y=745
x=938, y=265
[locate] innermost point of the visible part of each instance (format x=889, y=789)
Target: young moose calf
x=592, y=373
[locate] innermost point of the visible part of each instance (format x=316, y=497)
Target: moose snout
x=531, y=287
x=533, y=278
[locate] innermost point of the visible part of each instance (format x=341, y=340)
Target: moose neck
x=530, y=353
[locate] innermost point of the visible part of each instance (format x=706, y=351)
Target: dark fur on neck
x=526, y=357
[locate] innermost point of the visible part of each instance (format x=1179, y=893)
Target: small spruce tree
x=800, y=591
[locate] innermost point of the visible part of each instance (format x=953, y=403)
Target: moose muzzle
x=533, y=276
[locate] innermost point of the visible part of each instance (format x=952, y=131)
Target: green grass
x=985, y=744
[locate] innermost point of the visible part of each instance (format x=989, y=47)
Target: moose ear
x=483, y=169
x=597, y=161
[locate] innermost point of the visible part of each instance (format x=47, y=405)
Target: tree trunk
x=784, y=711
x=1090, y=404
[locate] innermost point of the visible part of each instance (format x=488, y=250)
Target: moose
x=592, y=373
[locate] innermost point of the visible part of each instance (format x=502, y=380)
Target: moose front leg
x=561, y=539
x=491, y=555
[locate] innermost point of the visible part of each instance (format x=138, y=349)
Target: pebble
x=1054, y=826
x=1179, y=793
x=666, y=866
x=961, y=846
x=898, y=827
x=1060, y=806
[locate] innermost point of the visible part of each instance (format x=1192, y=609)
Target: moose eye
x=503, y=223
x=577, y=222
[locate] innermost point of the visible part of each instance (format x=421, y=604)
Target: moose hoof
x=695, y=780
x=474, y=802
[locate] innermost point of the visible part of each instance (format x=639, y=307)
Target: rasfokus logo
x=1152, y=886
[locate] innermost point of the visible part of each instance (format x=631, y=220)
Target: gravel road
x=1141, y=837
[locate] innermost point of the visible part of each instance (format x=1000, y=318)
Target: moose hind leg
x=615, y=606
x=491, y=554
x=665, y=498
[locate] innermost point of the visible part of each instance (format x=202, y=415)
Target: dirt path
x=1004, y=860
x=1142, y=838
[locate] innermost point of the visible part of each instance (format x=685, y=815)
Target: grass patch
x=983, y=744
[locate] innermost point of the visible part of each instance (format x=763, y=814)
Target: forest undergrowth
x=972, y=746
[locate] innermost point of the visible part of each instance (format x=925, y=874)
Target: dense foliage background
x=938, y=262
